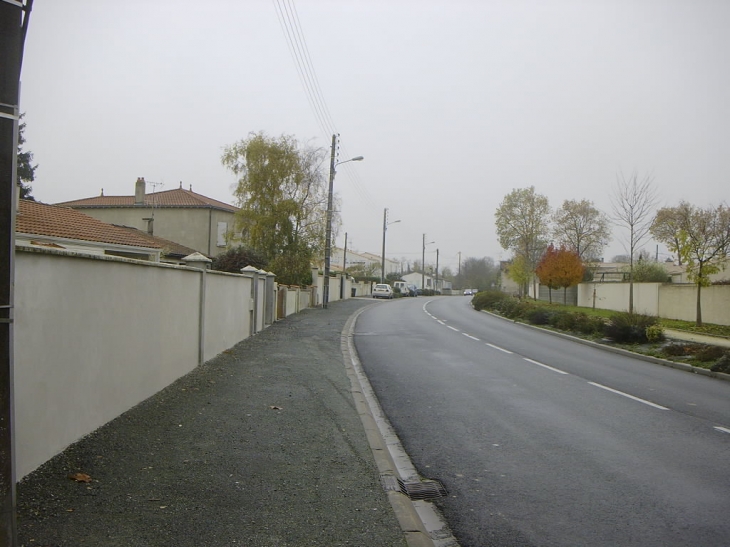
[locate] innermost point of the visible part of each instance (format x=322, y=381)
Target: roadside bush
x=563, y=320
x=674, y=350
x=654, y=333
x=722, y=365
x=589, y=324
x=709, y=353
x=512, y=308
x=487, y=300
x=539, y=316
x=629, y=328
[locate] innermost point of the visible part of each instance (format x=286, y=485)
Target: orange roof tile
x=178, y=197
x=40, y=219
x=169, y=248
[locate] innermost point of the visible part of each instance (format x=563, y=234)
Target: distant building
x=178, y=215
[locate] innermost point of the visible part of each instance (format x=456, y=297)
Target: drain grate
x=427, y=489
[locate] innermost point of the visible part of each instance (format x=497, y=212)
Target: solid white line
x=723, y=429
x=544, y=366
x=452, y=328
x=629, y=396
x=497, y=347
x=470, y=336
x=439, y=320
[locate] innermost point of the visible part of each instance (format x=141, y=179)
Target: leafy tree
x=282, y=196
x=633, y=200
x=477, y=273
x=236, y=258
x=560, y=268
x=519, y=272
x=582, y=228
x=703, y=243
x=646, y=271
x=667, y=227
x=522, y=221
x=26, y=169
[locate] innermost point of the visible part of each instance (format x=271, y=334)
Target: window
x=222, y=231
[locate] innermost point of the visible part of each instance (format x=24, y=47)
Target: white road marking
x=722, y=429
x=544, y=366
x=497, y=347
x=470, y=336
x=439, y=320
x=452, y=328
x=629, y=396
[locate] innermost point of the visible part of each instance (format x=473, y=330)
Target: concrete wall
x=669, y=300
x=94, y=336
x=680, y=302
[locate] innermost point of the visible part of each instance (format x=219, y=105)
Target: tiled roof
x=169, y=248
x=178, y=197
x=40, y=219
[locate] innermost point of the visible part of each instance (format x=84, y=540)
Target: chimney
x=139, y=188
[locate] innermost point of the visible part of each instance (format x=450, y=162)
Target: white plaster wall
x=615, y=296
x=680, y=302
x=227, y=317
x=292, y=304
x=92, y=339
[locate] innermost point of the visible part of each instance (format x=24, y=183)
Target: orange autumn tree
x=559, y=269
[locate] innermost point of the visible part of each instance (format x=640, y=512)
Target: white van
x=402, y=286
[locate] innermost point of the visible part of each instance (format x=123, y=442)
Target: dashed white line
x=452, y=328
x=470, y=336
x=497, y=347
x=722, y=429
x=629, y=396
x=544, y=366
x=439, y=320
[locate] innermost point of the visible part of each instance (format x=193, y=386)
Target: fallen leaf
x=79, y=477
x=274, y=407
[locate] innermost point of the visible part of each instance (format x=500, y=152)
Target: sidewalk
x=699, y=338
x=261, y=446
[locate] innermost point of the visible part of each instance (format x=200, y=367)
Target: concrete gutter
x=647, y=358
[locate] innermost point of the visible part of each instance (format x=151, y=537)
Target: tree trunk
x=699, y=296
x=550, y=294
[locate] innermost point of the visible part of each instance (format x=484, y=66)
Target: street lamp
x=328, y=236
x=385, y=227
x=423, y=262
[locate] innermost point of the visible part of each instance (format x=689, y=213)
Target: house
x=51, y=226
x=178, y=215
x=362, y=261
x=430, y=282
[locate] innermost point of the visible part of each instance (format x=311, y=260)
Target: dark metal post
x=385, y=227
x=11, y=53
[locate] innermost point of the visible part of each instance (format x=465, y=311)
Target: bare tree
x=581, y=228
x=633, y=202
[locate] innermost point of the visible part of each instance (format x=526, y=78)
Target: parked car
x=412, y=290
x=468, y=292
x=382, y=290
x=400, y=286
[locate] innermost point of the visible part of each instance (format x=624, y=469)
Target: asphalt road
x=543, y=441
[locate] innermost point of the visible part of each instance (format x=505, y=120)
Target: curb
x=621, y=351
x=389, y=455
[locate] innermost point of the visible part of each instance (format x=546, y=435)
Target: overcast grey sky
x=452, y=103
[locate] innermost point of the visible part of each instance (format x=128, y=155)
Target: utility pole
x=382, y=257
x=328, y=229
x=13, y=28
x=423, y=264
x=344, y=270
x=437, y=270
x=459, y=274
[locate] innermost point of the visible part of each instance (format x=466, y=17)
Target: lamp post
x=423, y=262
x=385, y=228
x=328, y=231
